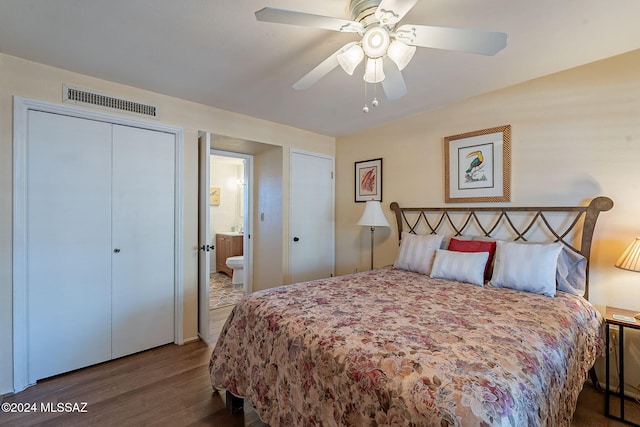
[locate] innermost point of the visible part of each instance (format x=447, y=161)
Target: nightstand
x=623, y=319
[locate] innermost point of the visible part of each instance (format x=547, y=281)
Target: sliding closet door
x=143, y=239
x=69, y=240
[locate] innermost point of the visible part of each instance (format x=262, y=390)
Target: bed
x=423, y=346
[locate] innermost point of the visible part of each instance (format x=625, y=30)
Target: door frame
x=247, y=223
x=292, y=152
x=21, y=108
x=204, y=238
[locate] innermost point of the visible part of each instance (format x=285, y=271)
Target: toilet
x=236, y=263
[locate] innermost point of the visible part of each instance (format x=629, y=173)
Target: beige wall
x=27, y=79
x=575, y=135
x=268, y=268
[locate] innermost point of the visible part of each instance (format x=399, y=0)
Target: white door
x=204, y=238
x=142, y=239
x=311, y=222
x=68, y=243
x=247, y=223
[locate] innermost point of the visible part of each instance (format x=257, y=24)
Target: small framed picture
x=368, y=180
x=477, y=166
x=214, y=196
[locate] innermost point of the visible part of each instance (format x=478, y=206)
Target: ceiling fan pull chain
x=375, y=90
x=365, y=109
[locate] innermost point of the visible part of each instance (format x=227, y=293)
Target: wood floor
x=217, y=318
x=170, y=386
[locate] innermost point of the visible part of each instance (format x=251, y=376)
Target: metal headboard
x=578, y=226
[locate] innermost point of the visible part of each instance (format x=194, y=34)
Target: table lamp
x=630, y=260
x=373, y=217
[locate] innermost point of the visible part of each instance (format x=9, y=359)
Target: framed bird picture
x=214, y=196
x=477, y=166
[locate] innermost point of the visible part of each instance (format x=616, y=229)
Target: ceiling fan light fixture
x=401, y=53
x=381, y=36
x=350, y=58
x=375, y=42
x=373, y=72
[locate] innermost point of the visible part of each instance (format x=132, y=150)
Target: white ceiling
x=216, y=53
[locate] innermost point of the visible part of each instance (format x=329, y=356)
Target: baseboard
x=192, y=339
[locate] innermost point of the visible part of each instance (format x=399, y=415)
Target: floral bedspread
x=391, y=347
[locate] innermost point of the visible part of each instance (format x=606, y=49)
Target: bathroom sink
x=231, y=233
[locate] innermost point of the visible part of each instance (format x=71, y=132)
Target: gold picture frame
x=214, y=196
x=477, y=166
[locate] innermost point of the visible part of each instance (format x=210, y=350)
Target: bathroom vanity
x=227, y=245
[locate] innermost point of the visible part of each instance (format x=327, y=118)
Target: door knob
x=295, y=239
x=116, y=251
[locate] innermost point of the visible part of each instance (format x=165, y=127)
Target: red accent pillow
x=474, y=246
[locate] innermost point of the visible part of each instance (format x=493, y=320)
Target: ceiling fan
x=387, y=47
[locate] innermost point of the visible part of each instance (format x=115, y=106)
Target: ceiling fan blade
x=391, y=11
x=283, y=16
x=393, y=83
x=464, y=40
x=321, y=70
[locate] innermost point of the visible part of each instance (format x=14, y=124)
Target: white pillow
x=460, y=266
x=571, y=276
x=526, y=267
x=417, y=252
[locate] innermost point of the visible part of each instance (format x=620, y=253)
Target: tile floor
x=221, y=292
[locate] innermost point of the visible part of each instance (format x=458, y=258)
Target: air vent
x=78, y=96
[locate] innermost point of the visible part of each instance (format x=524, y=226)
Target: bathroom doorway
x=262, y=222
x=230, y=227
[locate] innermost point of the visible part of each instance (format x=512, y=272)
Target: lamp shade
x=630, y=258
x=373, y=72
x=373, y=215
x=401, y=53
x=350, y=58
